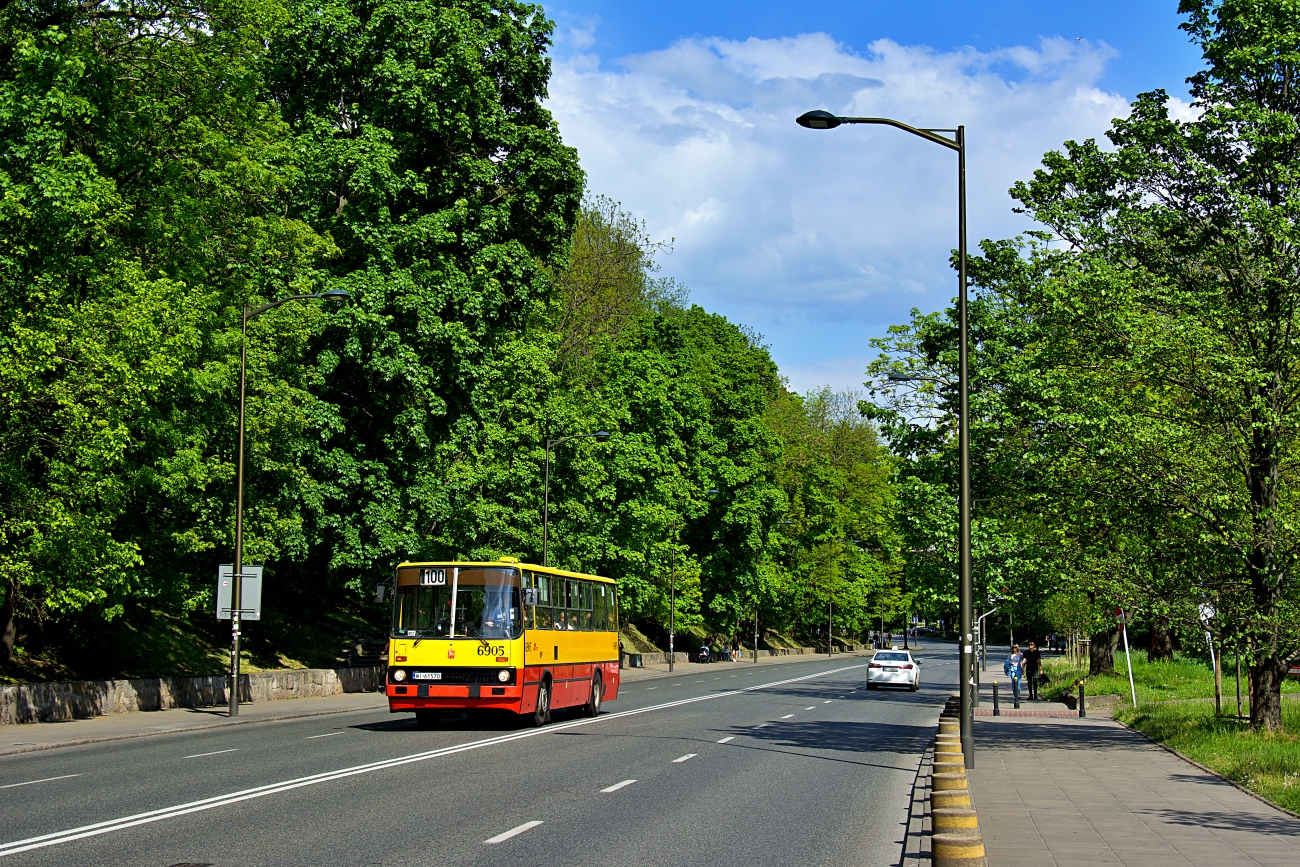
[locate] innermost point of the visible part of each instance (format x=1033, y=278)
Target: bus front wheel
x=542, y=713
x=597, y=694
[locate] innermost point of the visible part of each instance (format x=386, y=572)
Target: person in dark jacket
x=1033, y=665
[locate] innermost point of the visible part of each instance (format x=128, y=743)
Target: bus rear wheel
x=597, y=695
x=542, y=713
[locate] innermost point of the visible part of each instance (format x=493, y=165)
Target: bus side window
x=613, y=608
x=586, y=605
x=558, y=614
x=598, y=608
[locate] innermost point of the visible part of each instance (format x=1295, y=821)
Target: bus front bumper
x=431, y=696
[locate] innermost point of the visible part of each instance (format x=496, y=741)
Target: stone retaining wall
x=58, y=702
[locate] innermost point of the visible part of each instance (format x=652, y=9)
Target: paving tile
x=1063, y=792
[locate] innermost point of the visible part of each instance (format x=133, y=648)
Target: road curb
x=955, y=836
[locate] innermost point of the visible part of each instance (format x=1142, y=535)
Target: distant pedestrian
x=1013, y=668
x=1033, y=664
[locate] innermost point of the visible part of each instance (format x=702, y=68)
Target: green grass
x=1267, y=764
x=1181, y=678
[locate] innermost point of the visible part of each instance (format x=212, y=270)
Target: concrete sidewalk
x=43, y=736
x=1090, y=791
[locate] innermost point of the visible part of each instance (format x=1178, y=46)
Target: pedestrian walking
x=1013, y=668
x=1033, y=665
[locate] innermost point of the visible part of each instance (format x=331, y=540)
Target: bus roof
x=550, y=570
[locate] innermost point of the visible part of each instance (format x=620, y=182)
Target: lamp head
x=334, y=295
x=900, y=377
x=818, y=120
x=601, y=434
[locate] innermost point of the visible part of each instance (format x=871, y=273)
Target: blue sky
x=683, y=112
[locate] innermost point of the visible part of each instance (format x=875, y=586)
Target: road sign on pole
x=250, y=593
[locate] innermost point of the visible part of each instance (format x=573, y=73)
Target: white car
x=894, y=668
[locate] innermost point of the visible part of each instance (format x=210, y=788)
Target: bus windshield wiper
x=479, y=635
x=423, y=634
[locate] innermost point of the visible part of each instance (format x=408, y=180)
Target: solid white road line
x=787, y=716
x=330, y=735
x=617, y=786
x=172, y=812
x=213, y=753
x=34, y=782
x=727, y=738
x=513, y=832
x=685, y=758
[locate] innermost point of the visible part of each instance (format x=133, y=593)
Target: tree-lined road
x=720, y=764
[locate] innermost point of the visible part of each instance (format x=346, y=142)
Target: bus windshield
x=486, y=602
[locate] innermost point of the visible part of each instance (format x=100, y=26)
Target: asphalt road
x=762, y=765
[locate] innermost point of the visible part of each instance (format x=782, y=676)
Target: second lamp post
x=966, y=670
x=237, y=578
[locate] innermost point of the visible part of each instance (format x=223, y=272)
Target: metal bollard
x=1083, y=710
x=1015, y=693
x=996, y=710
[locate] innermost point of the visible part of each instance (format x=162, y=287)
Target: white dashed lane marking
x=329, y=735
x=213, y=753
x=34, y=782
x=727, y=738
x=513, y=832
x=685, y=758
x=787, y=716
x=617, y=786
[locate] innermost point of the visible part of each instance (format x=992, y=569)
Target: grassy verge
x=1267, y=764
x=1178, y=679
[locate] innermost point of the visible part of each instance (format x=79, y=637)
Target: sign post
x=1122, y=618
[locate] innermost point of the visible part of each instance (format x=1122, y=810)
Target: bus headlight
x=399, y=675
x=504, y=675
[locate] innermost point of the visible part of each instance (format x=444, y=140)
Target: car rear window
x=891, y=657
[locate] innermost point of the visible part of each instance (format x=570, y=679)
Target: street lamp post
x=826, y=120
x=237, y=578
x=546, y=485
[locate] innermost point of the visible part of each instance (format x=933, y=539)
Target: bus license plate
x=427, y=675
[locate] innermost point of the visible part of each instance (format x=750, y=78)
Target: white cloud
x=798, y=232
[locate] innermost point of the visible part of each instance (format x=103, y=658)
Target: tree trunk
x=1161, y=646
x=1266, y=695
x=8, y=629
x=1101, y=652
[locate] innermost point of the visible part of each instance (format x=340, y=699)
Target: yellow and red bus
x=504, y=636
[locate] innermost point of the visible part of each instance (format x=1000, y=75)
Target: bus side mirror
x=530, y=596
x=380, y=591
